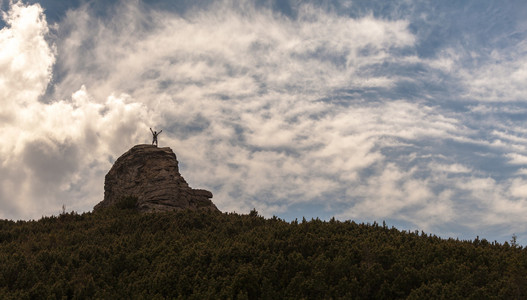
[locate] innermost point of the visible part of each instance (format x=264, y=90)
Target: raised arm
x=160, y=131
x=151, y=130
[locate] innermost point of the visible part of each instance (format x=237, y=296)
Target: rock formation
x=151, y=174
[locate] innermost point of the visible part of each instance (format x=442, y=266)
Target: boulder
x=151, y=175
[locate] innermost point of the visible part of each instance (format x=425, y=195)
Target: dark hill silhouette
x=123, y=254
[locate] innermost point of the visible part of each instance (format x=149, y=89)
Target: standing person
x=155, y=134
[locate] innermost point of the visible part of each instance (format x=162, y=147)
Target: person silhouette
x=155, y=134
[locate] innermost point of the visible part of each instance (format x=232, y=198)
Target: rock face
x=152, y=175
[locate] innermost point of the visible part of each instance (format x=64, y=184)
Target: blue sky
x=411, y=112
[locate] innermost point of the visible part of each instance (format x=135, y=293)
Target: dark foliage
x=122, y=254
x=127, y=203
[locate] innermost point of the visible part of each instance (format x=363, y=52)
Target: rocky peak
x=151, y=174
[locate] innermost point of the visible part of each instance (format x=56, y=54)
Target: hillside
x=120, y=253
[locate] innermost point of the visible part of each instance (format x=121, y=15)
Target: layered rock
x=151, y=174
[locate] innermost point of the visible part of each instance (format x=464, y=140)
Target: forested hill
x=123, y=254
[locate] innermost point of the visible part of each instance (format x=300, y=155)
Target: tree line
x=120, y=253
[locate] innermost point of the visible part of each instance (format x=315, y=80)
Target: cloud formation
x=54, y=152
x=310, y=112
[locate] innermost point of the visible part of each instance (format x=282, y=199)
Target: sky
x=408, y=112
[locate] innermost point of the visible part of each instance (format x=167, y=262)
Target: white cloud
x=54, y=149
x=209, y=54
x=498, y=76
x=25, y=64
x=518, y=188
x=517, y=159
x=455, y=168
